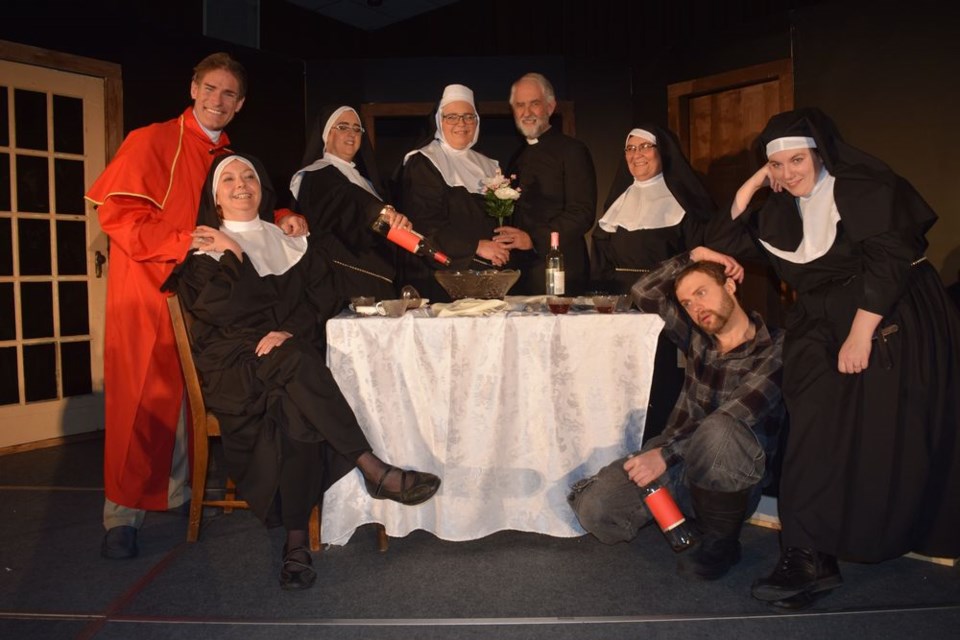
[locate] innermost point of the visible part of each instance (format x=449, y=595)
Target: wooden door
x=717, y=119
x=53, y=144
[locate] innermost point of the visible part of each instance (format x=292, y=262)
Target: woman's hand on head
x=271, y=341
x=762, y=178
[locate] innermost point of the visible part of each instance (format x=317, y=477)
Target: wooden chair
x=206, y=426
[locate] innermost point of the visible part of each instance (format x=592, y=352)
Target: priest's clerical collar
x=213, y=135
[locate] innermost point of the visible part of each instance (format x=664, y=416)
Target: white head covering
x=456, y=93
x=790, y=142
x=348, y=169
x=459, y=167
x=641, y=133
x=820, y=216
x=270, y=251
x=646, y=204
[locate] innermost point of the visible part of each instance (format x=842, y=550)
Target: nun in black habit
x=871, y=360
x=442, y=186
x=258, y=297
x=339, y=192
x=657, y=208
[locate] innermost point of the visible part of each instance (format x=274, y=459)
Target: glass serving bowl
x=489, y=284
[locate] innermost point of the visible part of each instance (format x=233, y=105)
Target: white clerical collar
x=213, y=135
x=335, y=159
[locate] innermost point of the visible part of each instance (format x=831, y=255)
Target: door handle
x=98, y=261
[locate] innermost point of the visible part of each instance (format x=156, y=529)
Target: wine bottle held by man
x=556, y=285
x=408, y=239
x=665, y=511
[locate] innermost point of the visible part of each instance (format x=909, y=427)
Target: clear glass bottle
x=409, y=240
x=556, y=282
x=665, y=511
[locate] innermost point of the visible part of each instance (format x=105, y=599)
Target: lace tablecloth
x=509, y=410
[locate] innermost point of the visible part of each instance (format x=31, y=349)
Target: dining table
x=509, y=407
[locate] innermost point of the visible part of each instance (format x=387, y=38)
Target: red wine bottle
x=409, y=240
x=668, y=515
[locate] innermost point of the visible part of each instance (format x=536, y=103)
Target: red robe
x=147, y=201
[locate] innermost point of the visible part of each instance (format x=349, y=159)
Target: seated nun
x=259, y=299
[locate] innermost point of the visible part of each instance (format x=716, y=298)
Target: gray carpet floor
x=510, y=585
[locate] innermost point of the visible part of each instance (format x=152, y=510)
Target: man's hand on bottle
x=644, y=468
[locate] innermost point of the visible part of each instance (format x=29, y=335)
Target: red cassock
x=147, y=201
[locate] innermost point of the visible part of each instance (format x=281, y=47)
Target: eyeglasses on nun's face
x=343, y=127
x=465, y=118
x=645, y=147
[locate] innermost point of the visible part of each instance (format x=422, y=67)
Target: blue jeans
x=720, y=456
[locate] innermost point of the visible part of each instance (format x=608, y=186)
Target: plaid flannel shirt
x=743, y=384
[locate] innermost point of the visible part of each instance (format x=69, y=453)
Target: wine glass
x=411, y=295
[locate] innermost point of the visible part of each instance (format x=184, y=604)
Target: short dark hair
x=221, y=60
x=713, y=269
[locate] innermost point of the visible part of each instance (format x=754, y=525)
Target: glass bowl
x=490, y=284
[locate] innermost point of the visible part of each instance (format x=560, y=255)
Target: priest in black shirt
x=559, y=187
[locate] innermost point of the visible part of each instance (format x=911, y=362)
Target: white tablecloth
x=509, y=410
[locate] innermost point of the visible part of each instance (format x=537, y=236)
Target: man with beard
x=716, y=451
x=559, y=187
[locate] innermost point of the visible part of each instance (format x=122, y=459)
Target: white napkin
x=468, y=307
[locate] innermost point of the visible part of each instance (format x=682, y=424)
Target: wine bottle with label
x=409, y=240
x=665, y=511
x=556, y=285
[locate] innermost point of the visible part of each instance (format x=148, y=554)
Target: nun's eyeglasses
x=639, y=148
x=343, y=127
x=465, y=118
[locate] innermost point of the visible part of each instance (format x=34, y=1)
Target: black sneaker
x=120, y=543
x=799, y=571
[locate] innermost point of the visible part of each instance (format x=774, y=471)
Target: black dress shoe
x=296, y=571
x=120, y=543
x=800, y=571
x=420, y=489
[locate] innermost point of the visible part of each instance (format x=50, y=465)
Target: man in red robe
x=147, y=201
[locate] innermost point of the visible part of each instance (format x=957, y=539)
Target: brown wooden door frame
x=679, y=94
x=370, y=111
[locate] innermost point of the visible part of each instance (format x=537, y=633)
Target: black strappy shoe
x=294, y=573
x=421, y=488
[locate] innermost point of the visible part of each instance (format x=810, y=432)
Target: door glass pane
x=36, y=307
x=74, y=320
x=71, y=248
x=68, y=185
x=34, y=249
x=4, y=182
x=40, y=371
x=4, y=119
x=9, y=393
x=75, y=359
x=6, y=247
x=67, y=124
x=30, y=114
x=8, y=329
x=33, y=186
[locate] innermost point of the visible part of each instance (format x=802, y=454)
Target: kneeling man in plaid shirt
x=716, y=451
